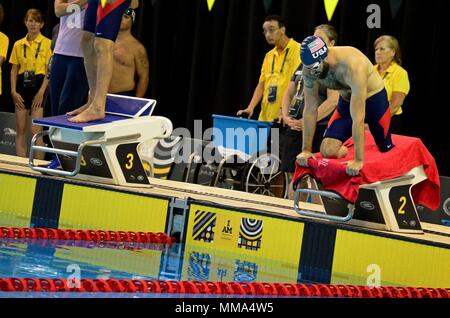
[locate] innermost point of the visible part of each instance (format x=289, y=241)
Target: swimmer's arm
x=312, y=101
x=62, y=6
x=358, y=84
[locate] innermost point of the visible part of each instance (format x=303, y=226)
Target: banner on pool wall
x=207, y=264
x=244, y=233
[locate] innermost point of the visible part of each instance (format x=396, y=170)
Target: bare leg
x=302, y=184
x=38, y=113
x=105, y=63
x=21, y=132
x=290, y=192
x=305, y=183
x=90, y=64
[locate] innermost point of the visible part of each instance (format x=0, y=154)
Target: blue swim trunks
x=378, y=117
x=105, y=22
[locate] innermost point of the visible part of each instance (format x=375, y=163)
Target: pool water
x=35, y=258
x=51, y=259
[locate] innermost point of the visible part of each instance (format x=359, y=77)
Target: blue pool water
x=26, y=258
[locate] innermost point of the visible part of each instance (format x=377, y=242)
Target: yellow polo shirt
x=277, y=70
x=395, y=79
x=24, y=54
x=4, y=44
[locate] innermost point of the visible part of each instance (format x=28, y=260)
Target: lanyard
x=284, y=61
x=299, y=87
x=25, y=50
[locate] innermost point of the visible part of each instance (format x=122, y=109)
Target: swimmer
x=363, y=98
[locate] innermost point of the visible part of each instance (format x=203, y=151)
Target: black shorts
x=292, y=146
x=28, y=93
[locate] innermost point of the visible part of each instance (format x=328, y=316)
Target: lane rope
x=85, y=235
x=216, y=288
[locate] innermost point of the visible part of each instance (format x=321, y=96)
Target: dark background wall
x=208, y=62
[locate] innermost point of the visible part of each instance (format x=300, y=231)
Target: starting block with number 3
x=104, y=151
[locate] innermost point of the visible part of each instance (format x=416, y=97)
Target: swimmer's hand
x=353, y=167
x=303, y=157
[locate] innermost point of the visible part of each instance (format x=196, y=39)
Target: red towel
x=408, y=153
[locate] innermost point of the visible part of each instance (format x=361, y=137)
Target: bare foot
x=78, y=110
x=90, y=114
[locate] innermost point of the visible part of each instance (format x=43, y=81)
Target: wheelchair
x=237, y=157
x=240, y=159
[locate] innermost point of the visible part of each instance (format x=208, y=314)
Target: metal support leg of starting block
x=75, y=154
x=325, y=216
x=385, y=205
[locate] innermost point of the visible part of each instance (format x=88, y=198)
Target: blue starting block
x=104, y=150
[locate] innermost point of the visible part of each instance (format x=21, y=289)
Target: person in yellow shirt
x=388, y=64
x=278, y=67
x=29, y=59
x=4, y=44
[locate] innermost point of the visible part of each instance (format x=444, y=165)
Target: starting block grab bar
x=320, y=215
x=76, y=154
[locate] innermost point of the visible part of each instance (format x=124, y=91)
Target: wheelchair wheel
x=265, y=177
x=204, y=173
x=228, y=178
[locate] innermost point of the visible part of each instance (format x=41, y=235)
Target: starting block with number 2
x=104, y=151
x=384, y=205
x=384, y=194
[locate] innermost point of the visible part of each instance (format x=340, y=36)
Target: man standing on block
x=101, y=26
